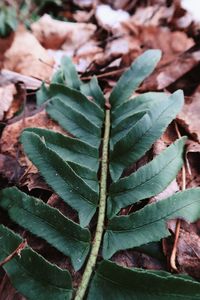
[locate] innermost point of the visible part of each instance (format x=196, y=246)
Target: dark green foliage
x=112, y=282
x=31, y=274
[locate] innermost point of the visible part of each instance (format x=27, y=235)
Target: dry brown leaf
x=109, y=18
x=6, y=98
x=11, y=133
x=28, y=57
x=171, y=71
x=55, y=34
x=188, y=253
x=10, y=148
x=133, y=258
x=5, y=44
x=192, y=163
x=189, y=117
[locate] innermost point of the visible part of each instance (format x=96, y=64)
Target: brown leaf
x=188, y=253
x=25, y=56
x=173, y=70
x=7, y=96
x=193, y=164
x=10, y=145
x=109, y=18
x=189, y=117
x=54, y=34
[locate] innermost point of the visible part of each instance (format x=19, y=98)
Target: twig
x=178, y=223
x=17, y=251
x=111, y=73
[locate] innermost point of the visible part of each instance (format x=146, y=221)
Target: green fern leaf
x=149, y=223
x=148, y=181
x=61, y=177
x=47, y=223
x=113, y=282
x=31, y=274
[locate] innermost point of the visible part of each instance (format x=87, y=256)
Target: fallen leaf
x=54, y=34
x=188, y=253
x=192, y=163
x=109, y=18
x=189, y=117
x=12, y=132
x=7, y=96
x=173, y=70
x=28, y=57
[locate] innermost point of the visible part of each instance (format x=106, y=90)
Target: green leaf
x=31, y=274
x=76, y=114
x=138, y=104
x=149, y=223
x=113, y=282
x=42, y=95
x=93, y=90
x=70, y=149
x=78, y=102
x=74, y=122
x=8, y=21
x=144, y=133
x=89, y=176
x=70, y=74
x=133, y=77
x=148, y=181
x=60, y=176
x=67, y=74
x=47, y=223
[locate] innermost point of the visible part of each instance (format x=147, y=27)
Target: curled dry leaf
x=189, y=117
x=25, y=56
x=6, y=98
x=54, y=34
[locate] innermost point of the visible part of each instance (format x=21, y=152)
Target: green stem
x=101, y=216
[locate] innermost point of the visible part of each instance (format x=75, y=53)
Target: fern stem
x=101, y=215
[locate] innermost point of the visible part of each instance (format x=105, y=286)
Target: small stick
x=17, y=251
x=111, y=73
x=178, y=223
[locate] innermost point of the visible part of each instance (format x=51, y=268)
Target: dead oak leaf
x=189, y=117
x=28, y=57
x=55, y=34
